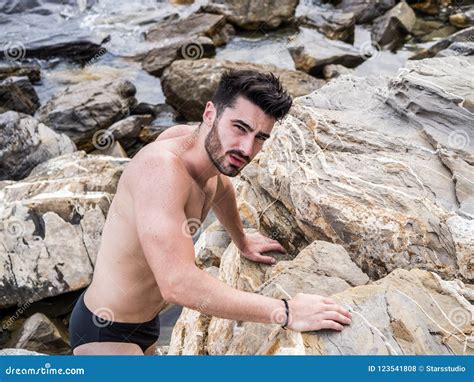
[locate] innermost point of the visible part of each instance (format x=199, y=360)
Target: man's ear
x=209, y=114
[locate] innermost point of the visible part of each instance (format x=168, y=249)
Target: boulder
x=193, y=26
x=17, y=93
x=362, y=162
x=406, y=313
x=51, y=223
x=391, y=29
x=333, y=71
x=32, y=71
x=254, y=15
x=38, y=333
x=312, y=51
x=463, y=36
x=365, y=10
x=82, y=110
x=25, y=143
x=463, y=19
x=431, y=7
x=333, y=23
x=189, y=84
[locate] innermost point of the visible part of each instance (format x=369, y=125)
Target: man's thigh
x=108, y=348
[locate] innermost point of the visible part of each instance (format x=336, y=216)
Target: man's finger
x=264, y=259
x=274, y=246
x=329, y=324
x=339, y=309
x=336, y=316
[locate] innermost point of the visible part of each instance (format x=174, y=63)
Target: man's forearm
x=225, y=209
x=200, y=291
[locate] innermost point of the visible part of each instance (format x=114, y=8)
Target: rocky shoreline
x=367, y=183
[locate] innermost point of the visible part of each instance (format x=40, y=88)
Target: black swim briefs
x=85, y=326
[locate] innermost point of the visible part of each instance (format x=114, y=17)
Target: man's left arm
x=251, y=245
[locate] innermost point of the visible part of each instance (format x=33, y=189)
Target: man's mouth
x=237, y=161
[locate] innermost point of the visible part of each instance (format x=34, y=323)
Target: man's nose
x=246, y=146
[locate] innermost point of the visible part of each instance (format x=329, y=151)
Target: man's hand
x=255, y=243
x=310, y=312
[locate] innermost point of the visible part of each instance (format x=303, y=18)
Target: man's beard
x=213, y=147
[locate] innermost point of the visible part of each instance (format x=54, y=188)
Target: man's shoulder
x=155, y=168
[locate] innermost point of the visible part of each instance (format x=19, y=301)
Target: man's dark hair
x=263, y=89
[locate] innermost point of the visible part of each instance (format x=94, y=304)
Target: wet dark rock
x=9, y=69
x=25, y=143
x=463, y=36
x=17, y=93
x=82, y=110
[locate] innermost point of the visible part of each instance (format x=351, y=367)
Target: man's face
x=237, y=136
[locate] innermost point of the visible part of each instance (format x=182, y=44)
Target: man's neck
x=196, y=159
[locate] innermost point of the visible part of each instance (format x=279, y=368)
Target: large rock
x=38, y=333
x=365, y=10
x=189, y=84
x=463, y=19
x=81, y=110
x=45, y=29
x=363, y=162
x=193, y=37
x=192, y=48
x=406, y=313
x=254, y=15
x=431, y=7
x=17, y=93
x=51, y=223
x=198, y=24
x=463, y=36
x=312, y=51
x=322, y=267
x=25, y=143
x=392, y=28
x=32, y=71
x=333, y=23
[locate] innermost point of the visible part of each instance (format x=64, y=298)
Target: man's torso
x=123, y=288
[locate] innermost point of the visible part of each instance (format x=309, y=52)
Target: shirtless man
x=146, y=257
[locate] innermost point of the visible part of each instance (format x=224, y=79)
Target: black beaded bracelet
x=287, y=313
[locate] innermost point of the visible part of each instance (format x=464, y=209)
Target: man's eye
x=239, y=127
x=263, y=139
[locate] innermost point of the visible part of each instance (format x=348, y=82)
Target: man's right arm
x=160, y=190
